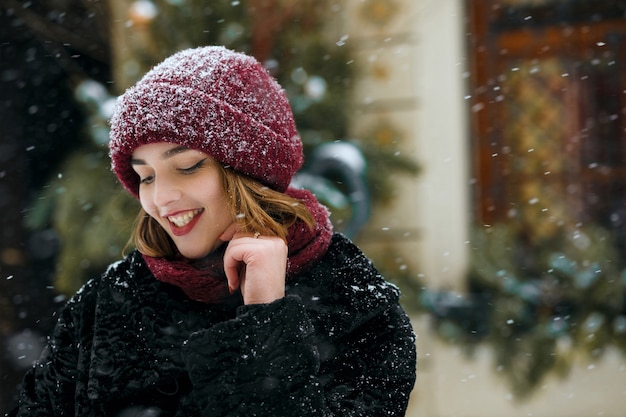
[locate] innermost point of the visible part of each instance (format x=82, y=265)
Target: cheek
x=208, y=190
x=146, y=202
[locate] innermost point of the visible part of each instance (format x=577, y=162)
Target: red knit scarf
x=205, y=280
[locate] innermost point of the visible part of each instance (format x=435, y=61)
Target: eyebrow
x=166, y=155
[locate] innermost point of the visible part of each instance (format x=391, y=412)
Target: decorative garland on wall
x=538, y=307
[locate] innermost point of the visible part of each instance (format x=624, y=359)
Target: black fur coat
x=128, y=345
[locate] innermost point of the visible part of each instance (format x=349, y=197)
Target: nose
x=165, y=192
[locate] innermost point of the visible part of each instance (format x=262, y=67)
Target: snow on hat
x=214, y=100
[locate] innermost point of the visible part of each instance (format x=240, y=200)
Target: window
x=547, y=97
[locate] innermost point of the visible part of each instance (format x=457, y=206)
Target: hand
x=257, y=266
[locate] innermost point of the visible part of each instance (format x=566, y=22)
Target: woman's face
x=181, y=189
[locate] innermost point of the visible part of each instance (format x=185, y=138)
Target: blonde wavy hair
x=255, y=207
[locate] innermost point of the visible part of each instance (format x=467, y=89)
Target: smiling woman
x=181, y=188
x=239, y=299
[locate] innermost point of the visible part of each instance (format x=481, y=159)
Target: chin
x=193, y=254
x=197, y=251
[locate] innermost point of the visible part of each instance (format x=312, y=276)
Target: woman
x=239, y=300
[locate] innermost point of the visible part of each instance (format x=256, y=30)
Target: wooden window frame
x=498, y=33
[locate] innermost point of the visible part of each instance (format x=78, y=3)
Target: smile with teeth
x=184, y=218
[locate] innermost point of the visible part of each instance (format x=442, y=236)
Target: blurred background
x=475, y=149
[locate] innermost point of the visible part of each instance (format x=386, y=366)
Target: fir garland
x=536, y=305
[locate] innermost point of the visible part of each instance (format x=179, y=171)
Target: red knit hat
x=214, y=100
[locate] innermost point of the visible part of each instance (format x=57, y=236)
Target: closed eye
x=193, y=168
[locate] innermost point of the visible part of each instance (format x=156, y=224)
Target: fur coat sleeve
x=338, y=344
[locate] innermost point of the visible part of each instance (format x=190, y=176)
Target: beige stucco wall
x=386, y=94
x=412, y=75
x=450, y=384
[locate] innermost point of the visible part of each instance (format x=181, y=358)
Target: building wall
x=411, y=81
x=385, y=109
x=412, y=73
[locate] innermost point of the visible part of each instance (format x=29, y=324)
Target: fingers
x=257, y=266
x=234, y=269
